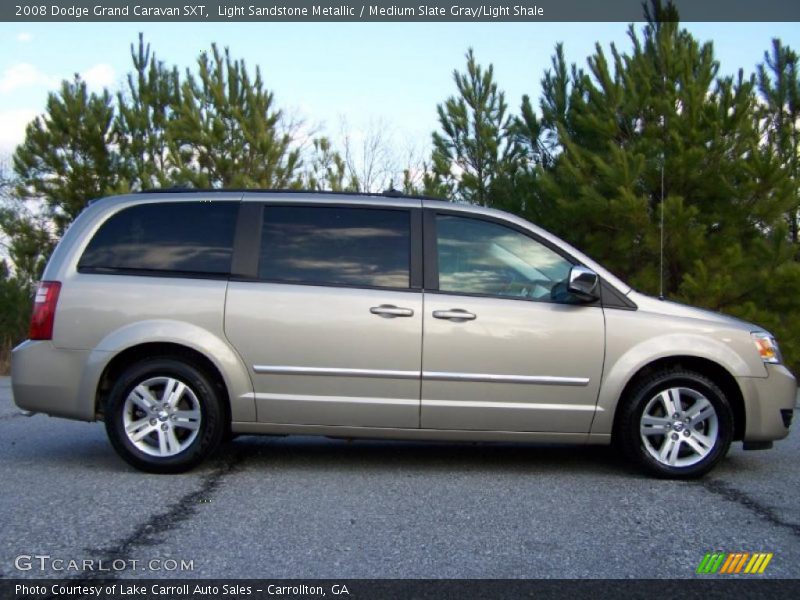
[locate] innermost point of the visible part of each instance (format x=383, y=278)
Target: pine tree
x=145, y=108
x=326, y=169
x=67, y=158
x=661, y=108
x=226, y=131
x=779, y=86
x=658, y=132
x=26, y=244
x=15, y=306
x=474, y=156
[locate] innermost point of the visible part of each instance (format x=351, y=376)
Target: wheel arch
x=704, y=366
x=139, y=352
x=202, y=347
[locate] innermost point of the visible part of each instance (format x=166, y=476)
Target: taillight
x=44, y=310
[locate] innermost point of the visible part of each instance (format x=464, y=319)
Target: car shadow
x=299, y=452
x=79, y=445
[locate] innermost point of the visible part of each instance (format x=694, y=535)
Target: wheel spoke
x=135, y=426
x=654, y=425
x=186, y=419
x=142, y=433
x=666, y=448
x=697, y=446
x=163, y=443
x=671, y=399
x=673, y=454
x=705, y=441
x=699, y=412
x=173, y=390
x=142, y=398
x=669, y=451
x=172, y=440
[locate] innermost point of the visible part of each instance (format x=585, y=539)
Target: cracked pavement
x=318, y=508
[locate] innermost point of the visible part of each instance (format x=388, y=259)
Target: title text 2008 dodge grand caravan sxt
x=183, y=318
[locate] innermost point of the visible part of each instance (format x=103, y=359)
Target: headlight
x=767, y=347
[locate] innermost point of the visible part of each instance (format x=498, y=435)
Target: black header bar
x=390, y=589
x=488, y=11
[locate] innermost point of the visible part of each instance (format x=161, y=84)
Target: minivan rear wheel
x=163, y=415
x=676, y=424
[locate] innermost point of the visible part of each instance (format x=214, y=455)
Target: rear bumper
x=764, y=400
x=48, y=380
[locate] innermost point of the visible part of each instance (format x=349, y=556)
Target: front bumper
x=48, y=380
x=764, y=400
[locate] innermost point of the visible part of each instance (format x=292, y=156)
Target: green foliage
x=326, y=169
x=779, y=87
x=68, y=157
x=474, y=156
x=25, y=244
x=145, y=108
x=656, y=132
x=15, y=307
x=225, y=131
x=29, y=241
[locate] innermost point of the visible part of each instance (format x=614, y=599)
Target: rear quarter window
x=178, y=237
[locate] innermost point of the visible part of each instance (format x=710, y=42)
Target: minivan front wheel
x=676, y=423
x=164, y=416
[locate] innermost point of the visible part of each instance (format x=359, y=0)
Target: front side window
x=480, y=257
x=324, y=245
x=179, y=237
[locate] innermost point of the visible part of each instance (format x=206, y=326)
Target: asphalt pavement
x=301, y=507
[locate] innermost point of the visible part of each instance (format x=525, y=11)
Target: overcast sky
x=392, y=74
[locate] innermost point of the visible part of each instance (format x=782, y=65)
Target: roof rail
x=390, y=193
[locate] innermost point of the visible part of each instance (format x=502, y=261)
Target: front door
x=505, y=347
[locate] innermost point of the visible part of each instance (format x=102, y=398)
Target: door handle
x=390, y=311
x=454, y=314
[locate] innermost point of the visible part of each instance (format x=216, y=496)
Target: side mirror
x=583, y=283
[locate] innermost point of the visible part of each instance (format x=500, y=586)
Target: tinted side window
x=336, y=246
x=188, y=237
x=480, y=257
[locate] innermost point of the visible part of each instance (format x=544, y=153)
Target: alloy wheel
x=679, y=427
x=162, y=416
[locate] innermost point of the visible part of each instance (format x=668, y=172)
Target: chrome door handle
x=390, y=310
x=454, y=314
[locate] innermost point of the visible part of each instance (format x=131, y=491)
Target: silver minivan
x=183, y=318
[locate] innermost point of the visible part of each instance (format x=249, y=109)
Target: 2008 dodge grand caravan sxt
x=182, y=318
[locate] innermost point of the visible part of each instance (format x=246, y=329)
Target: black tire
x=690, y=388
x=229, y=436
x=200, y=397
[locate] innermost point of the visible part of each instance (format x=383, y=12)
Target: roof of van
x=390, y=193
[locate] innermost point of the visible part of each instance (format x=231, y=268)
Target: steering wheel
x=520, y=287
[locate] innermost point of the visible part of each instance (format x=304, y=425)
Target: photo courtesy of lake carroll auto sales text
x=426, y=299
x=186, y=590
